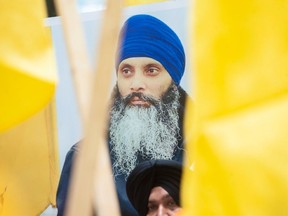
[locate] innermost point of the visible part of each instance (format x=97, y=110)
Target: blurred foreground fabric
x=27, y=65
x=237, y=129
x=29, y=163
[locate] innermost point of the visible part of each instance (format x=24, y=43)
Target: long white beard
x=151, y=132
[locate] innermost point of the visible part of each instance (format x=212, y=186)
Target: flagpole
x=80, y=66
x=93, y=104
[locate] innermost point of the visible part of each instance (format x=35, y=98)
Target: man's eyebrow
x=164, y=198
x=167, y=197
x=152, y=65
x=125, y=65
x=152, y=201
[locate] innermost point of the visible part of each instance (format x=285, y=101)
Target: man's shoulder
x=74, y=149
x=71, y=153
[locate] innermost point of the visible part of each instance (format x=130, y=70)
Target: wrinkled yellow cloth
x=29, y=165
x=27, y=65
x=237, y=129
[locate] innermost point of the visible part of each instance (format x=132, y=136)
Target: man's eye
x=153, y=71
x=126, y=72
x=171, y=205
x=152, y=208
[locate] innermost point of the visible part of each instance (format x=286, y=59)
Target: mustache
x=126, y=100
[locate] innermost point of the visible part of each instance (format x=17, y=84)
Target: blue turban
x=147, y=36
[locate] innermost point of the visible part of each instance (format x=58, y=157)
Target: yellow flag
x=29, y=165
x=139, y=2
x=239, y=127
x=27, y=67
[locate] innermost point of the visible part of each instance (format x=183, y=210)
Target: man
x=146, y=117
x=153, y=187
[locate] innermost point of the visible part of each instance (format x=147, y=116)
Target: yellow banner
x=238, y=125
x=27, y=66
x=29, y=165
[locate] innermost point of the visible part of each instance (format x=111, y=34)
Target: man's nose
x=138, y=83
x=161, y=211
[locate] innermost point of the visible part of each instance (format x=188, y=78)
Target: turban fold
x=146, y=36
x=150, y=174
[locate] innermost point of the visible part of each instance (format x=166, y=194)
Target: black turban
x=150, y=174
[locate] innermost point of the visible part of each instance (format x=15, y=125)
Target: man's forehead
x=140, y=61
x=159, y=193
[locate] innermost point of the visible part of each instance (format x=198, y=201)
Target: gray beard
x=149, y=132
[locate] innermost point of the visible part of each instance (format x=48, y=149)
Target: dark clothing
x=120, y=180
x=65, y=180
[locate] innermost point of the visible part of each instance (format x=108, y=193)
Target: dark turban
x=146, y=36
x=150, y=174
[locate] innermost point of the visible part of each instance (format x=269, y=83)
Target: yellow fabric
x=238, y=125
x=139, y=2
x=29, y=165
x=27, y=67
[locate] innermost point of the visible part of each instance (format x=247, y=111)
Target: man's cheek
x=121, y=88
x=123, y=93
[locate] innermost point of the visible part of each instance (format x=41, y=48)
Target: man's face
x=144, y=114
x=160, y=203
x=142, y=75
